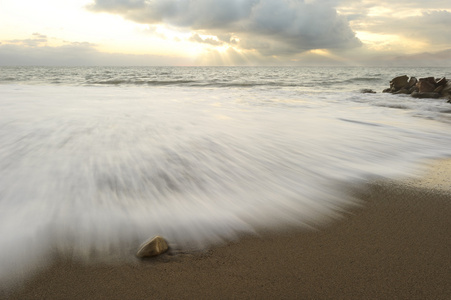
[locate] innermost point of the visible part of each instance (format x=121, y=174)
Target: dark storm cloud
x=272, y=27
x=194, y=14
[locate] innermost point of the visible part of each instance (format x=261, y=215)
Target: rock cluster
x=428, y=87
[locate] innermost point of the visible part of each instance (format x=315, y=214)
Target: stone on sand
x=153, y=247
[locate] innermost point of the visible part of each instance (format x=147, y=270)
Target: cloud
x=36, y=39
x=197, y=38
x=424, y=21
x=196, y=14
x=31, y=52
x=432, y=26
x=86, y=54
x=252, y=58
x=397, y=8
x=270, y=27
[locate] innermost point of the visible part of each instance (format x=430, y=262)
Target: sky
x=225, y=32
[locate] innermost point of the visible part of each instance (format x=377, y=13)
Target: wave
x=98, y=175
x=365, y=79
x=8, y=79
x=395, y=106
x=360, y=79
x=140, y=82
x=196, y=83
x=250, y=84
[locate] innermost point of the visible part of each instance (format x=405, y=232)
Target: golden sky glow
x=390, y=42
x=379, y=28
x=69, y=21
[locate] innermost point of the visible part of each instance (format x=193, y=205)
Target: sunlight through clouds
x=228, y=31
x=390, y=42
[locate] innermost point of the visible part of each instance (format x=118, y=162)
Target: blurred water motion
x=94, y=171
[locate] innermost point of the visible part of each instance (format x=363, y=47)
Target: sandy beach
x=396, y=245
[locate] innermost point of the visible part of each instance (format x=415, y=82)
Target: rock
x=367, y=91
x=412, y=82
x=415, y=94
x=413, y=89
x=402, y=91
x=439, y=89
x=446, y=92
x=153, y=247
x=442, y=81
x=398, y=82
x=426, y=85
x=425, y=95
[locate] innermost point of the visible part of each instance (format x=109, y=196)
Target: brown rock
x=402, y=91
x=413, y=89
x=398, y=82
x=446, y=92
x=426, y=85
x=439, y=89
x=442, y=81
x=153, y=247
x=412, y=82
x=425, y=95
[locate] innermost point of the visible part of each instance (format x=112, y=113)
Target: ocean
x=96, y=160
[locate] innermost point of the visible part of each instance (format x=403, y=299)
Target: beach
x=394, y=245
x=267, y=182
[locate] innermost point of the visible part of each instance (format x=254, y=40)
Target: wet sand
x=396, y=245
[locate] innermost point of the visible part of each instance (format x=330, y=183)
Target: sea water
x=94, y=161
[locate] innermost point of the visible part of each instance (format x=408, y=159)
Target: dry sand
x=397, y=245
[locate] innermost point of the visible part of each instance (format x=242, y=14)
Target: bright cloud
x=212, y=32
x=282, y=27
x=418, y=23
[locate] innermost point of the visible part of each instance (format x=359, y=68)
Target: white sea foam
x=95, y=170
